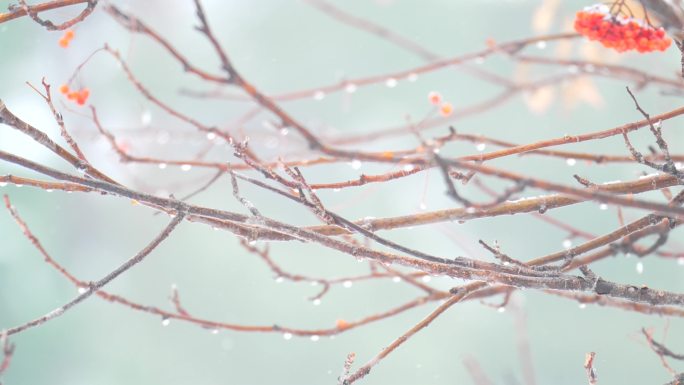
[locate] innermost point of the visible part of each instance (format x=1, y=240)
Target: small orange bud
x=446, y=109
x=435, y=97
x=64, y=89
x=73, y=95
x=491, y=43
x=342, y=324
x=82, y=96
x=66, y=38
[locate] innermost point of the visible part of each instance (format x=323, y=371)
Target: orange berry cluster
x=80, y=96
x=619, y=32
x=445, y=108
x=66, y=38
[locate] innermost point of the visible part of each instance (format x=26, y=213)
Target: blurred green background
x=288, y=45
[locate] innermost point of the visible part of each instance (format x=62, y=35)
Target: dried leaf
x=521, y=74
x=544, y=15
x=597, y=53
x=637, y=10
x=582, y=90
x=565, y=47
x=539, y=100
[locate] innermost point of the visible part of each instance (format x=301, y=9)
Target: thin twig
x=96, y=285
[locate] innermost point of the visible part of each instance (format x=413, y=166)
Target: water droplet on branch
x=319, y=95
x=391, y=82
x=146, y=118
